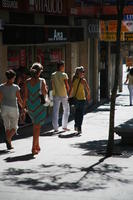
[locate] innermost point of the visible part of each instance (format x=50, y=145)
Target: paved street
x=71, y=168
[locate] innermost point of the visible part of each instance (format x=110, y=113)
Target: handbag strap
x=40, y=85
x=77, y=88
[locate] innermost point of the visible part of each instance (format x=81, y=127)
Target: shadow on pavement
x=98, y=147
x=20, y=158
x=127, y=125
x=70, y=176
x=2, y=152
x=65, y=177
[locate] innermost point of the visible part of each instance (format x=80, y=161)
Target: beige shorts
x=10, y=116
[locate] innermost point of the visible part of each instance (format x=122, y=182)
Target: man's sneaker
x=79, y=130
x=56, y=131
x=75, y=128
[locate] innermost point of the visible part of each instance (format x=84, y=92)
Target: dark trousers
x=79, y=113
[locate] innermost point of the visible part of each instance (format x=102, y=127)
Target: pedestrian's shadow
x=20, y=158
x=2, y=152
x=51, y=133
x=68, y=134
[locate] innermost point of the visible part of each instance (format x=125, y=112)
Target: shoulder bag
x=44, y=99
x=73, y=100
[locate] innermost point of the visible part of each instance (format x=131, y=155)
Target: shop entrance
x=21, y=59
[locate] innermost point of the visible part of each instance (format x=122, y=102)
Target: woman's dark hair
x=35, y=69
x=59, y=64
x=10, y=74
x=131, y=72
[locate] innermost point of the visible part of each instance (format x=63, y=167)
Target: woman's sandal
x=8, y=145
x=34, y=152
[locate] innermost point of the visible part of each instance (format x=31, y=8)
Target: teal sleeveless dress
x=36, y=110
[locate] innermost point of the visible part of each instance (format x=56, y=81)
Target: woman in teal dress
x=32, y=101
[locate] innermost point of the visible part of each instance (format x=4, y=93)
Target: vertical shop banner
x=93, y=28
x=40, y=56
x=23, y=58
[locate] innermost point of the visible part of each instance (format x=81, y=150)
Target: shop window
x=19, y=57
x=49, y=57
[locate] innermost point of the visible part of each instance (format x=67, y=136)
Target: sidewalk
x=71, y=168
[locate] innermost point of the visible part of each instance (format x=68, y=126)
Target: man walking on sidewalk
x=60, y=88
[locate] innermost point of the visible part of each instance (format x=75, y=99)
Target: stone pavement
x=71, y=168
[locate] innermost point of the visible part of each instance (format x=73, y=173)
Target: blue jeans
x=66, y=111
x=79, y=113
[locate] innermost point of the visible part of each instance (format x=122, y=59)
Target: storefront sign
x=86, y=2
x=93, y=28
x=128, y=17
x=111, y=26
x=10, y=4
x=85, y=10
x=108, y=30
x=48, y=6
x=129, y=37
x=111, y=37
x=57, y=35
x=43, y=6
x=22, y=35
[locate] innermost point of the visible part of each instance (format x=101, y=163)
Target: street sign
x=108, y=36
x=128, y=17
x=129, y=36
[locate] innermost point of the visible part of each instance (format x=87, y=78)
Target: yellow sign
x=107, y=36
x=111, y=26
x=128, y=36
x=108, y=30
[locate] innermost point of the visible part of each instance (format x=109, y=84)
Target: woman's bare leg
x=36, y=134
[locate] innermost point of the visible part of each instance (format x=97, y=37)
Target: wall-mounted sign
x=108, y=30
x=108, y=36
x=22, y=34
x=129, y=37
x=9, y=4
x=47, y=6
x=128, y=17
x=93, y=28
x=57, y=35
x=58, y=7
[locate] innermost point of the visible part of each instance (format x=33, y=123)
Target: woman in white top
x=129, y=80
x=9, y=99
